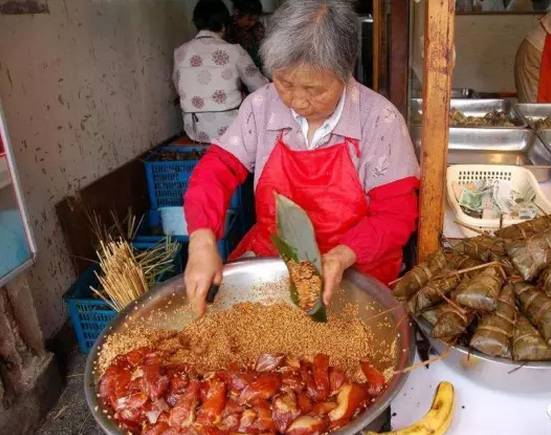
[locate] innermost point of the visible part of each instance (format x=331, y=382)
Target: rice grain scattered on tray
x=245, y=331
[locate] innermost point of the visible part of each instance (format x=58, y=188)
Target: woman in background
x=209, y=74
x=246, y=29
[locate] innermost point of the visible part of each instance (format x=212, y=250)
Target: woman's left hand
x=334, y=263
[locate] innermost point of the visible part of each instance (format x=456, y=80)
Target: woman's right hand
x=204, y=268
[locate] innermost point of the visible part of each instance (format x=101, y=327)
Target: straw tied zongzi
x=530, y=256
x=494, y=331
x=537, y=307
x=528, y=344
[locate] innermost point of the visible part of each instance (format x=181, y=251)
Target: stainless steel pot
x=242, y=281
x=497, y=373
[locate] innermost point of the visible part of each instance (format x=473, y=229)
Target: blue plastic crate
x=167, y=180
x=90, y=315
x=150, y=233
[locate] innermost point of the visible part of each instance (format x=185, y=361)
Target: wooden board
x=123, y=188
x=438, y=68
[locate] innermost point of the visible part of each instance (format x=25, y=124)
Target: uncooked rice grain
x=245, y=331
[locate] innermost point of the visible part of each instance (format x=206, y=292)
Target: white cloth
x=208, y=73
x=325, y=129
x=478, y=410
x=537, y=36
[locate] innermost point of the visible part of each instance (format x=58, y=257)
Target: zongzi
x=525, y=229
x=431, y=314
x=536, y=306
x=481, y=291
x=528, y=344
x=432, y=293
x=419, y=275
x=438, y=287
x=484, y=248
x=530, y=256
x=452, y=321
x=544, y=281
x=494, y=330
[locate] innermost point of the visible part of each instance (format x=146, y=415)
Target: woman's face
x=311, y=93
x=245, y=22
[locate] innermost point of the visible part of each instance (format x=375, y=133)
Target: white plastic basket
x=464, y=174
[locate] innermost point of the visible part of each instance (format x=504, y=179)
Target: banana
x=437, y=420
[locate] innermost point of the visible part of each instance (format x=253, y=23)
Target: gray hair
x=319, y=33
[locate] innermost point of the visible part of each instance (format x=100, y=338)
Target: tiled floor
x=71, y=416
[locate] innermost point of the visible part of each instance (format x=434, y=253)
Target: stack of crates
x=167, y=171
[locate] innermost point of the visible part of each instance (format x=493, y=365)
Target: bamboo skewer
x=469, y=269
x=476, y=230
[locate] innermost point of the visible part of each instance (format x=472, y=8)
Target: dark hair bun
x=211, y=15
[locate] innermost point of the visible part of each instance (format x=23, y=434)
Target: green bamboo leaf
x=295, y=227
x=295, y=241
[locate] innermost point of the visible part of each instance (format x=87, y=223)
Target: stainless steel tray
x=500, y=147
x=496, y=373
x=475, y=107
x=240, y=283
x=462, y=93
x=545, y=137
x=533, y=112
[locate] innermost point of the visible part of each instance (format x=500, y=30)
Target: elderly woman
x=338, y=149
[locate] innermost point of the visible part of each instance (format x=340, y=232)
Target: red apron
x=544, y=89
x=325, y=183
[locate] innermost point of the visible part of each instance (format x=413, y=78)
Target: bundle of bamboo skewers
x=125, y=273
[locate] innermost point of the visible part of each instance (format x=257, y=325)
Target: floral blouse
x=208, y=75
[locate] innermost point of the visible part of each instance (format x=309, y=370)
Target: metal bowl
x=241, y=283
x=497, y=373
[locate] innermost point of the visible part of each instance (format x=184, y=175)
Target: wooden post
x=438, y=55
x=399, y=54
x=377, y=35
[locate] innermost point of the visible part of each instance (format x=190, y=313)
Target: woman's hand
x=334, y=263
x=204, y=268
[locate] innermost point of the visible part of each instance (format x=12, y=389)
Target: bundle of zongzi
x=452, y=321
x=536, y=306
x=530, y=256
x=528, y=344
x=419, y=275
x=494, y=331
x=481, y=291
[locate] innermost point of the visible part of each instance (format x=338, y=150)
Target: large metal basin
x=241, y=283
x=495, y=373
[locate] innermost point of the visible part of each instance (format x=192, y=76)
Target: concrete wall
x=485, y=48
x=85, y=89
